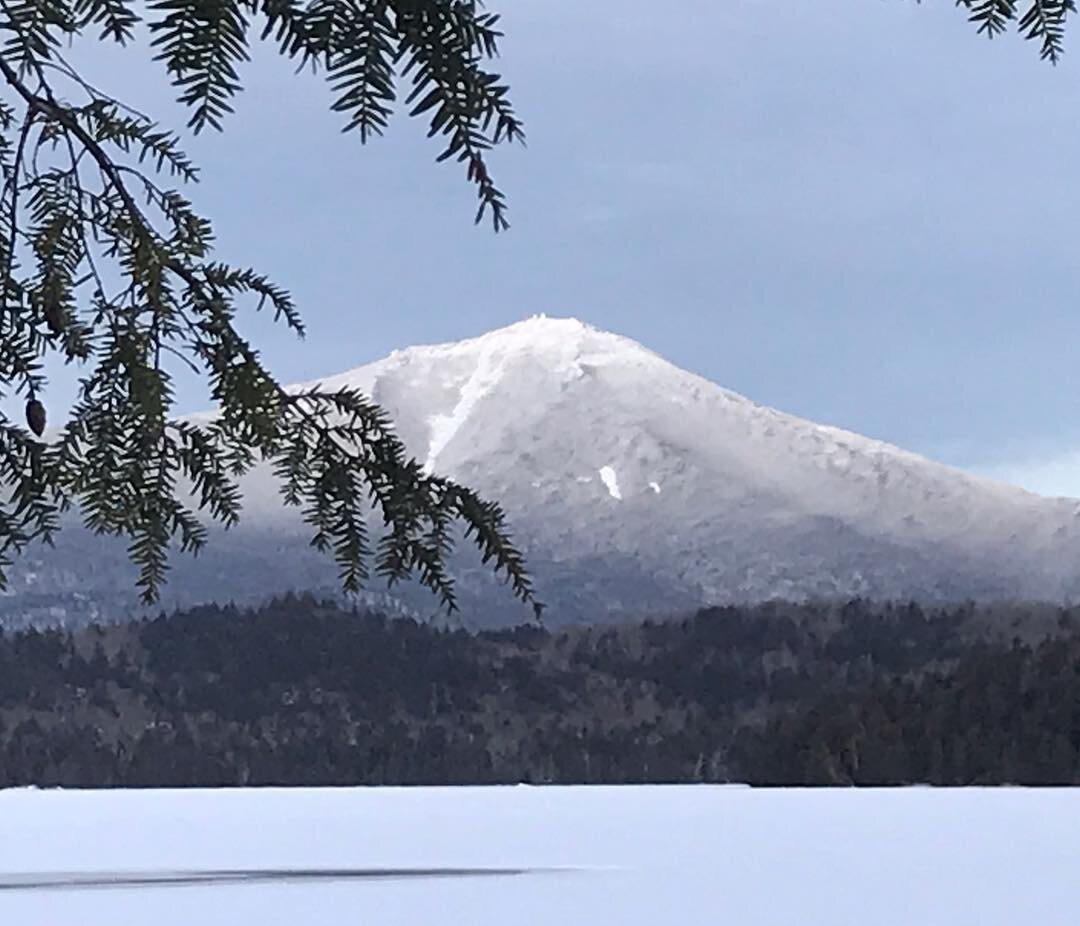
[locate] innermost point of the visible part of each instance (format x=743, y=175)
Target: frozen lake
x=521, y=855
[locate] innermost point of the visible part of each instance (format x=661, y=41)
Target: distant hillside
x=635, y=488
x=303, y=693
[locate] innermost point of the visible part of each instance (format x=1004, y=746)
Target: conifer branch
x=90, y=176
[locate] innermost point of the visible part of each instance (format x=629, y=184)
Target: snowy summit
x=636, y=488
x=640, y=485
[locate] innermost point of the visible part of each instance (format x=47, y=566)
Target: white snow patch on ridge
x=655, y=486
x=445, y=426
x=607, y=475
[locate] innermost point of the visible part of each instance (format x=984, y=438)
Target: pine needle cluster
x=106, y=264
x=1041, y=21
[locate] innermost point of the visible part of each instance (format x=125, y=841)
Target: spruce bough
x=104, y=263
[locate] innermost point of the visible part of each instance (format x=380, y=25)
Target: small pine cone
x=35, y=416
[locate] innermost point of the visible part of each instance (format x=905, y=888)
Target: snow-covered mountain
x=636, y=487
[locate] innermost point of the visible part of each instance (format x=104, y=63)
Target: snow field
x=619, y=855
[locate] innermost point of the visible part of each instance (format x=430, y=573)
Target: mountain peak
x=635, y=487
x=537, y=332
x=541, y=322
x=547, y=334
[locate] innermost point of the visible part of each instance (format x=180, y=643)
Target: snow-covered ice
x=590, y=855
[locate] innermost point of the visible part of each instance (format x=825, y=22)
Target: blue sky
x=861, y=213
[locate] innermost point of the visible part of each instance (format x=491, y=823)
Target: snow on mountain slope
x=636, y=487
x=604, y=452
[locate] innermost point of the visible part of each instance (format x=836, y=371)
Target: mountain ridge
x=523, y=334
x=636, y=487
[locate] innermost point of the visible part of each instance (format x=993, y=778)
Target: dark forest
x=302, y=692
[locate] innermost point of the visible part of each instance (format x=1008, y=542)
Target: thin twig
x=9, y=257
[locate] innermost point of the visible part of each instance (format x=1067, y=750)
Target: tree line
x=303, y=692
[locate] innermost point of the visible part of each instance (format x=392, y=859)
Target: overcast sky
x=858, y=212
